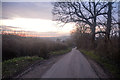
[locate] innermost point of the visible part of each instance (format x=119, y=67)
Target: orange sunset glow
x=32, y=19
x=38, y=25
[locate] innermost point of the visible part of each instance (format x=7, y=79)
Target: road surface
x=71, y=65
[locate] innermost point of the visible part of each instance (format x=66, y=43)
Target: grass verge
x=16, y=65
x=106, y=64
x=59, y=52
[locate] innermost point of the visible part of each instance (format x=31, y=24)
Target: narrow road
x=71, y=65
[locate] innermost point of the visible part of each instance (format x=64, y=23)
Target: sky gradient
x=32, y=16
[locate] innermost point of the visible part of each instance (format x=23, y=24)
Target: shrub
x=16, y=46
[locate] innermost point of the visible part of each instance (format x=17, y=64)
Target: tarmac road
x=71, y=65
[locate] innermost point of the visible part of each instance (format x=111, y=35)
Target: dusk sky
x=33, y=16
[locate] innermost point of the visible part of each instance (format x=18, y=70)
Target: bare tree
x=86, y=12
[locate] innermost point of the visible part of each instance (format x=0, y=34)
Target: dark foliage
x=16, y=46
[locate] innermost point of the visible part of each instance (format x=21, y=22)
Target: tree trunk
x=94, y=26
x=119, y=24
x=108, y=29
x=109, y=20
x=93, y=37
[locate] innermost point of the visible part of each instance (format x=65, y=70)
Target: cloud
x=10, y=29
x=27, y=10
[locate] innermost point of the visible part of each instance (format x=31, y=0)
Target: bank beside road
x=17, y=66
x=107, y=67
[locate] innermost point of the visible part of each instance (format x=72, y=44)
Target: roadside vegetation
x=19, y=53
x=13, y=67
x=109, y=68
x=53, y=53
x=97, y=29
x=18, y=65
x=107, y=55
x=15, y=46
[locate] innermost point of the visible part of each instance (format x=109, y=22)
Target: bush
x=16, y=46
x=16, y=65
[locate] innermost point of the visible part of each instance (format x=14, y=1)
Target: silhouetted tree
x=86, y=12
